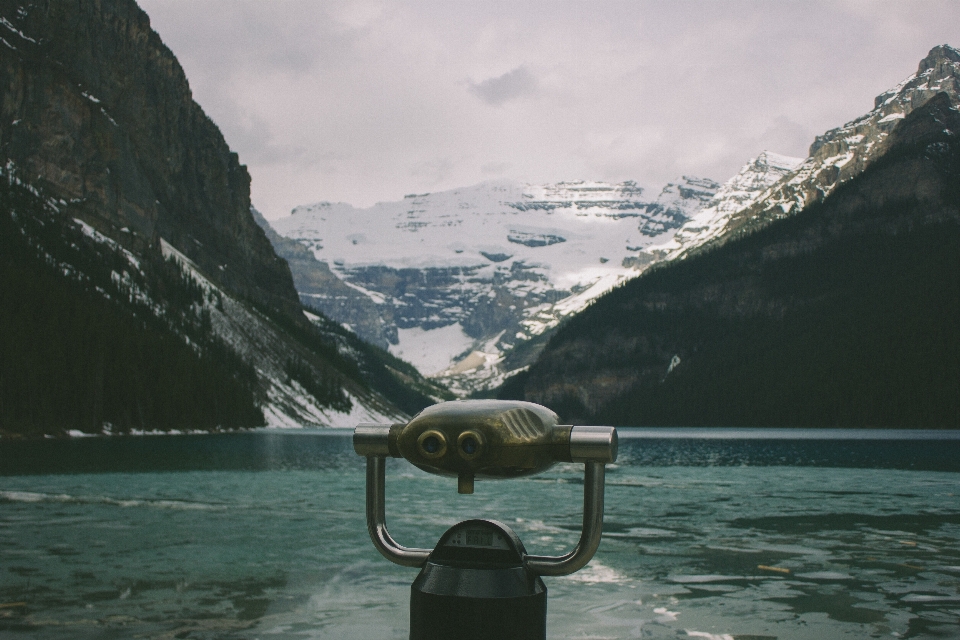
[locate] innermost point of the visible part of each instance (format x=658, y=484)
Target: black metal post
x=474, y=586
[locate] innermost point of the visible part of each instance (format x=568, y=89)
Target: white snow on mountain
x=563, y=228
x=843, y=152
x=287, y=404
x=734, y=196
x=466, y=274
x=429, y=349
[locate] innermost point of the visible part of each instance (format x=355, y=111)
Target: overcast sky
x=367, y=101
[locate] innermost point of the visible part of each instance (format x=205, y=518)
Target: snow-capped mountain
x=835, y=157
x=456, y=282
x=734, y=196
x=452, y=280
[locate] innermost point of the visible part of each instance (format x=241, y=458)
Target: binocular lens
x=469, y=445
x=431, y=444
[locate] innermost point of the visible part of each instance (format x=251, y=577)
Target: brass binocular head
x=486, y=439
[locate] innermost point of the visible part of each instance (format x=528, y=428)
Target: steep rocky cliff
x=114, y=178
x=99, y=112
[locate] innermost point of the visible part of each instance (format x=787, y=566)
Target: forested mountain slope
x=844, y=315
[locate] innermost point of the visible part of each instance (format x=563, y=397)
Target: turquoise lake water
x=746, y=534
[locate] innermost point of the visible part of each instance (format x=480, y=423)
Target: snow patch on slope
x=429, y=350
x=734, y=196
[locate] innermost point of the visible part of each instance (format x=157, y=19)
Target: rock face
x=737, y=194
x=842, y=315
x=98, y=111
x=453, y=281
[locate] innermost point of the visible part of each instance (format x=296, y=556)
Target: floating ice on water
x=698, y=579
x=913, y=597
x=709, y=636
x=824, y=575
x=595, y=573
x=665, y=615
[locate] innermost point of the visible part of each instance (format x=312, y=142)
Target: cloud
x=494, y=168
x=786, y=137
x=366, y=100
x=510, y=86
x=433, y=172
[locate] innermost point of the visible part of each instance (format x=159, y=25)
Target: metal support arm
x=589, y=536
x=376, y=519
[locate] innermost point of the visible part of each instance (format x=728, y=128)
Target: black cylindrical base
x=453, y=603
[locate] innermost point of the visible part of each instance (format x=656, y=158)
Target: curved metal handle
x=593, y=484
x=376, y=519
x=594, y=446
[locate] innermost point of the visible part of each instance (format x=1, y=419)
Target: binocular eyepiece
x=486, y=439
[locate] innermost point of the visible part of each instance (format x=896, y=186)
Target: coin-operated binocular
x=479, y=583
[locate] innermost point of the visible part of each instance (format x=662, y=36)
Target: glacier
x=454, y=280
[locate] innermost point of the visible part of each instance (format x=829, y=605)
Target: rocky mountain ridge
x=835, y=156
x=737, y=194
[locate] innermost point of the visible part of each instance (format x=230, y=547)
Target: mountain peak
x=777, y=161
x=940, y=53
